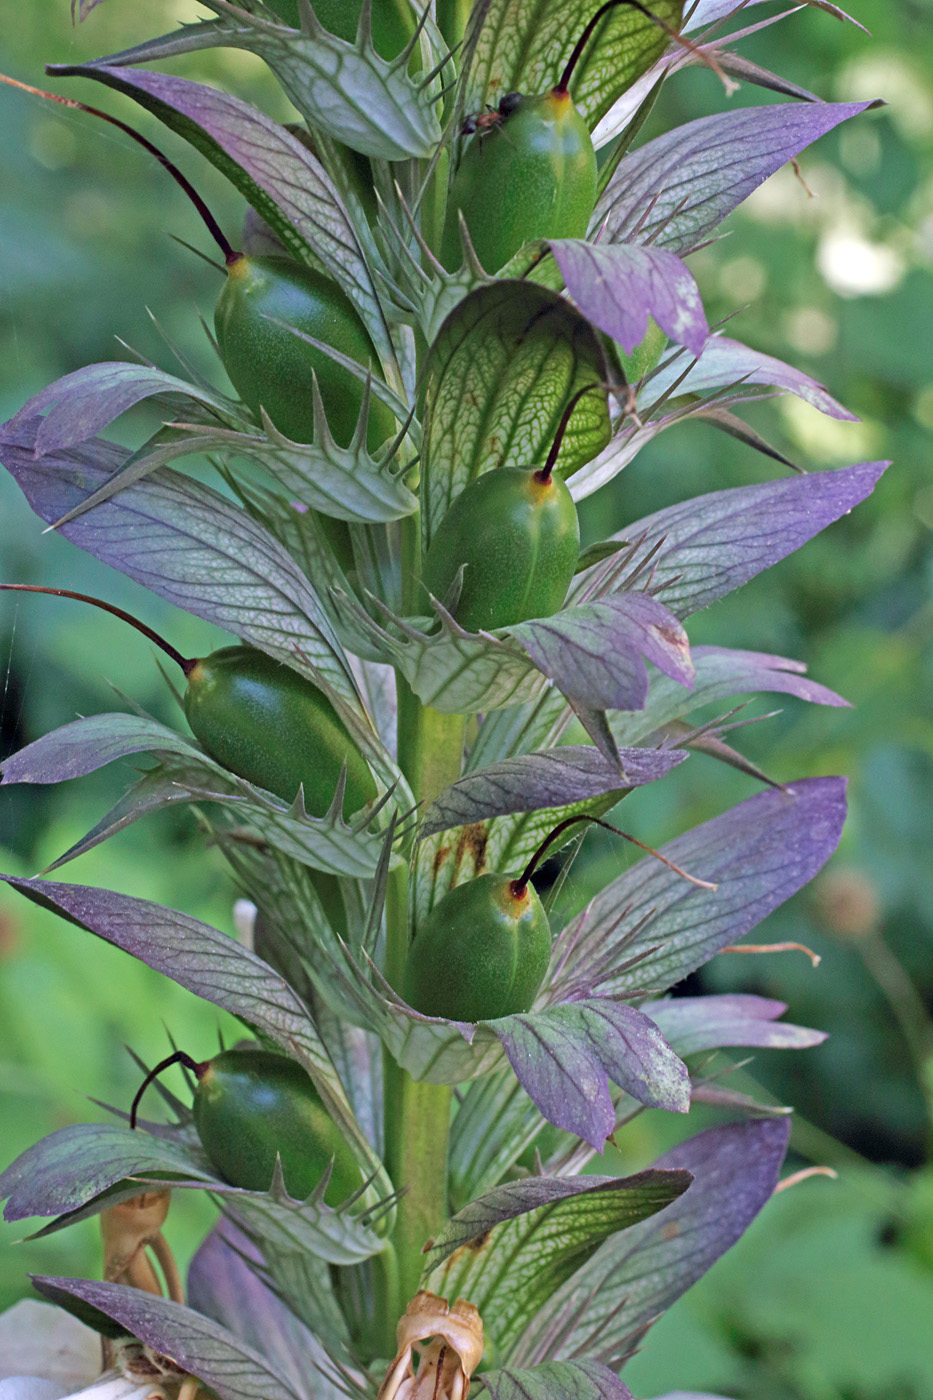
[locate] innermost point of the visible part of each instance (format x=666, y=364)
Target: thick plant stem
x=416, y=1156
x=417, y=1116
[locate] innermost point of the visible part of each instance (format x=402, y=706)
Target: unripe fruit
x=532, y=177
x=259, y=718
x=271, y=367
x=530, y=170
x=482, y=952
x=250, y=1105
x=514, y=531
x=517, y=538
x=271, y=726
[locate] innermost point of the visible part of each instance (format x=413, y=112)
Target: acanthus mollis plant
x=404, y=1189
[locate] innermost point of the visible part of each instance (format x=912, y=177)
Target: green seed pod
x=530, y=170
x=271, y=367
x=271, y=726
x=516, y=535
x=250, y=1105
x=482, y=952
x=531, y=176
x=514, y=531
x=259, y=718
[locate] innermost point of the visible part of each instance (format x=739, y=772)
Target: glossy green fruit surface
x=270, y=366
x=518, y=538
x=271, y=726
x=533, y=176
x=482, y=952
x=250, y=1105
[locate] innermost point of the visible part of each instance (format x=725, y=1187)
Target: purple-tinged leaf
x=198, y=1346
x=269, y=166
x=215, y=968
x=721, y=673
x=555, y=778
x=618, y=287
x=710, y=11
x=225, y=1283
x=711, y=1022
x=69, y=1167
x=725, y=361
x=511, y=1249
x=559, y=1380
x=191, y=953
x=710, y=545
x=758, y=854
x=85, y=745
x=191, y=546
x=565, y=1056
x=77, y=406
x=635, y=1276
x=675, y=190
x=596, y=653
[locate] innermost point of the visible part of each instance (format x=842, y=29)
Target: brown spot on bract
x=480, y=1242
x=440, y=858
x=472, y=846
x=670, y=1230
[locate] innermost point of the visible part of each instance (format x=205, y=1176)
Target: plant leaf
x=226, y=1283
x=344, y=483
x=712, y=1022
x=85, y=745
x=565, y=1056
x=561, y=1380
x=347, y=90
x=71, y=1166
x=77, y=406
x=721, y=673
x=277, y=175
x=636, y=1276
x=619, y=286
x=509, y=1251
x=194, y=547
x=595, y=653
x=702, y=549
x=557, y=778
x=758, y=853
x=231, y=1368
x=725, y=361
x=675, y=190
x=505, y=364
x=523, y=46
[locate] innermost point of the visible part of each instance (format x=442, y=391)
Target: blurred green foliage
x=829, y=1296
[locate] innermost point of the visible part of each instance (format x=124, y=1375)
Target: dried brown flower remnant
x=128, y=1230
x=447, y=1363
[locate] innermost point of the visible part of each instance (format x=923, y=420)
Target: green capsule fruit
x=250, y=1105
x=532, y=175
x=516, y=535
x=270, y=367
x=481, y=953
x=271, y=726
x=530, y=170
x=253, y=1105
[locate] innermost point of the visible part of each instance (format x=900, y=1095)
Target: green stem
x=417, y=1116
x=416, y=1157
